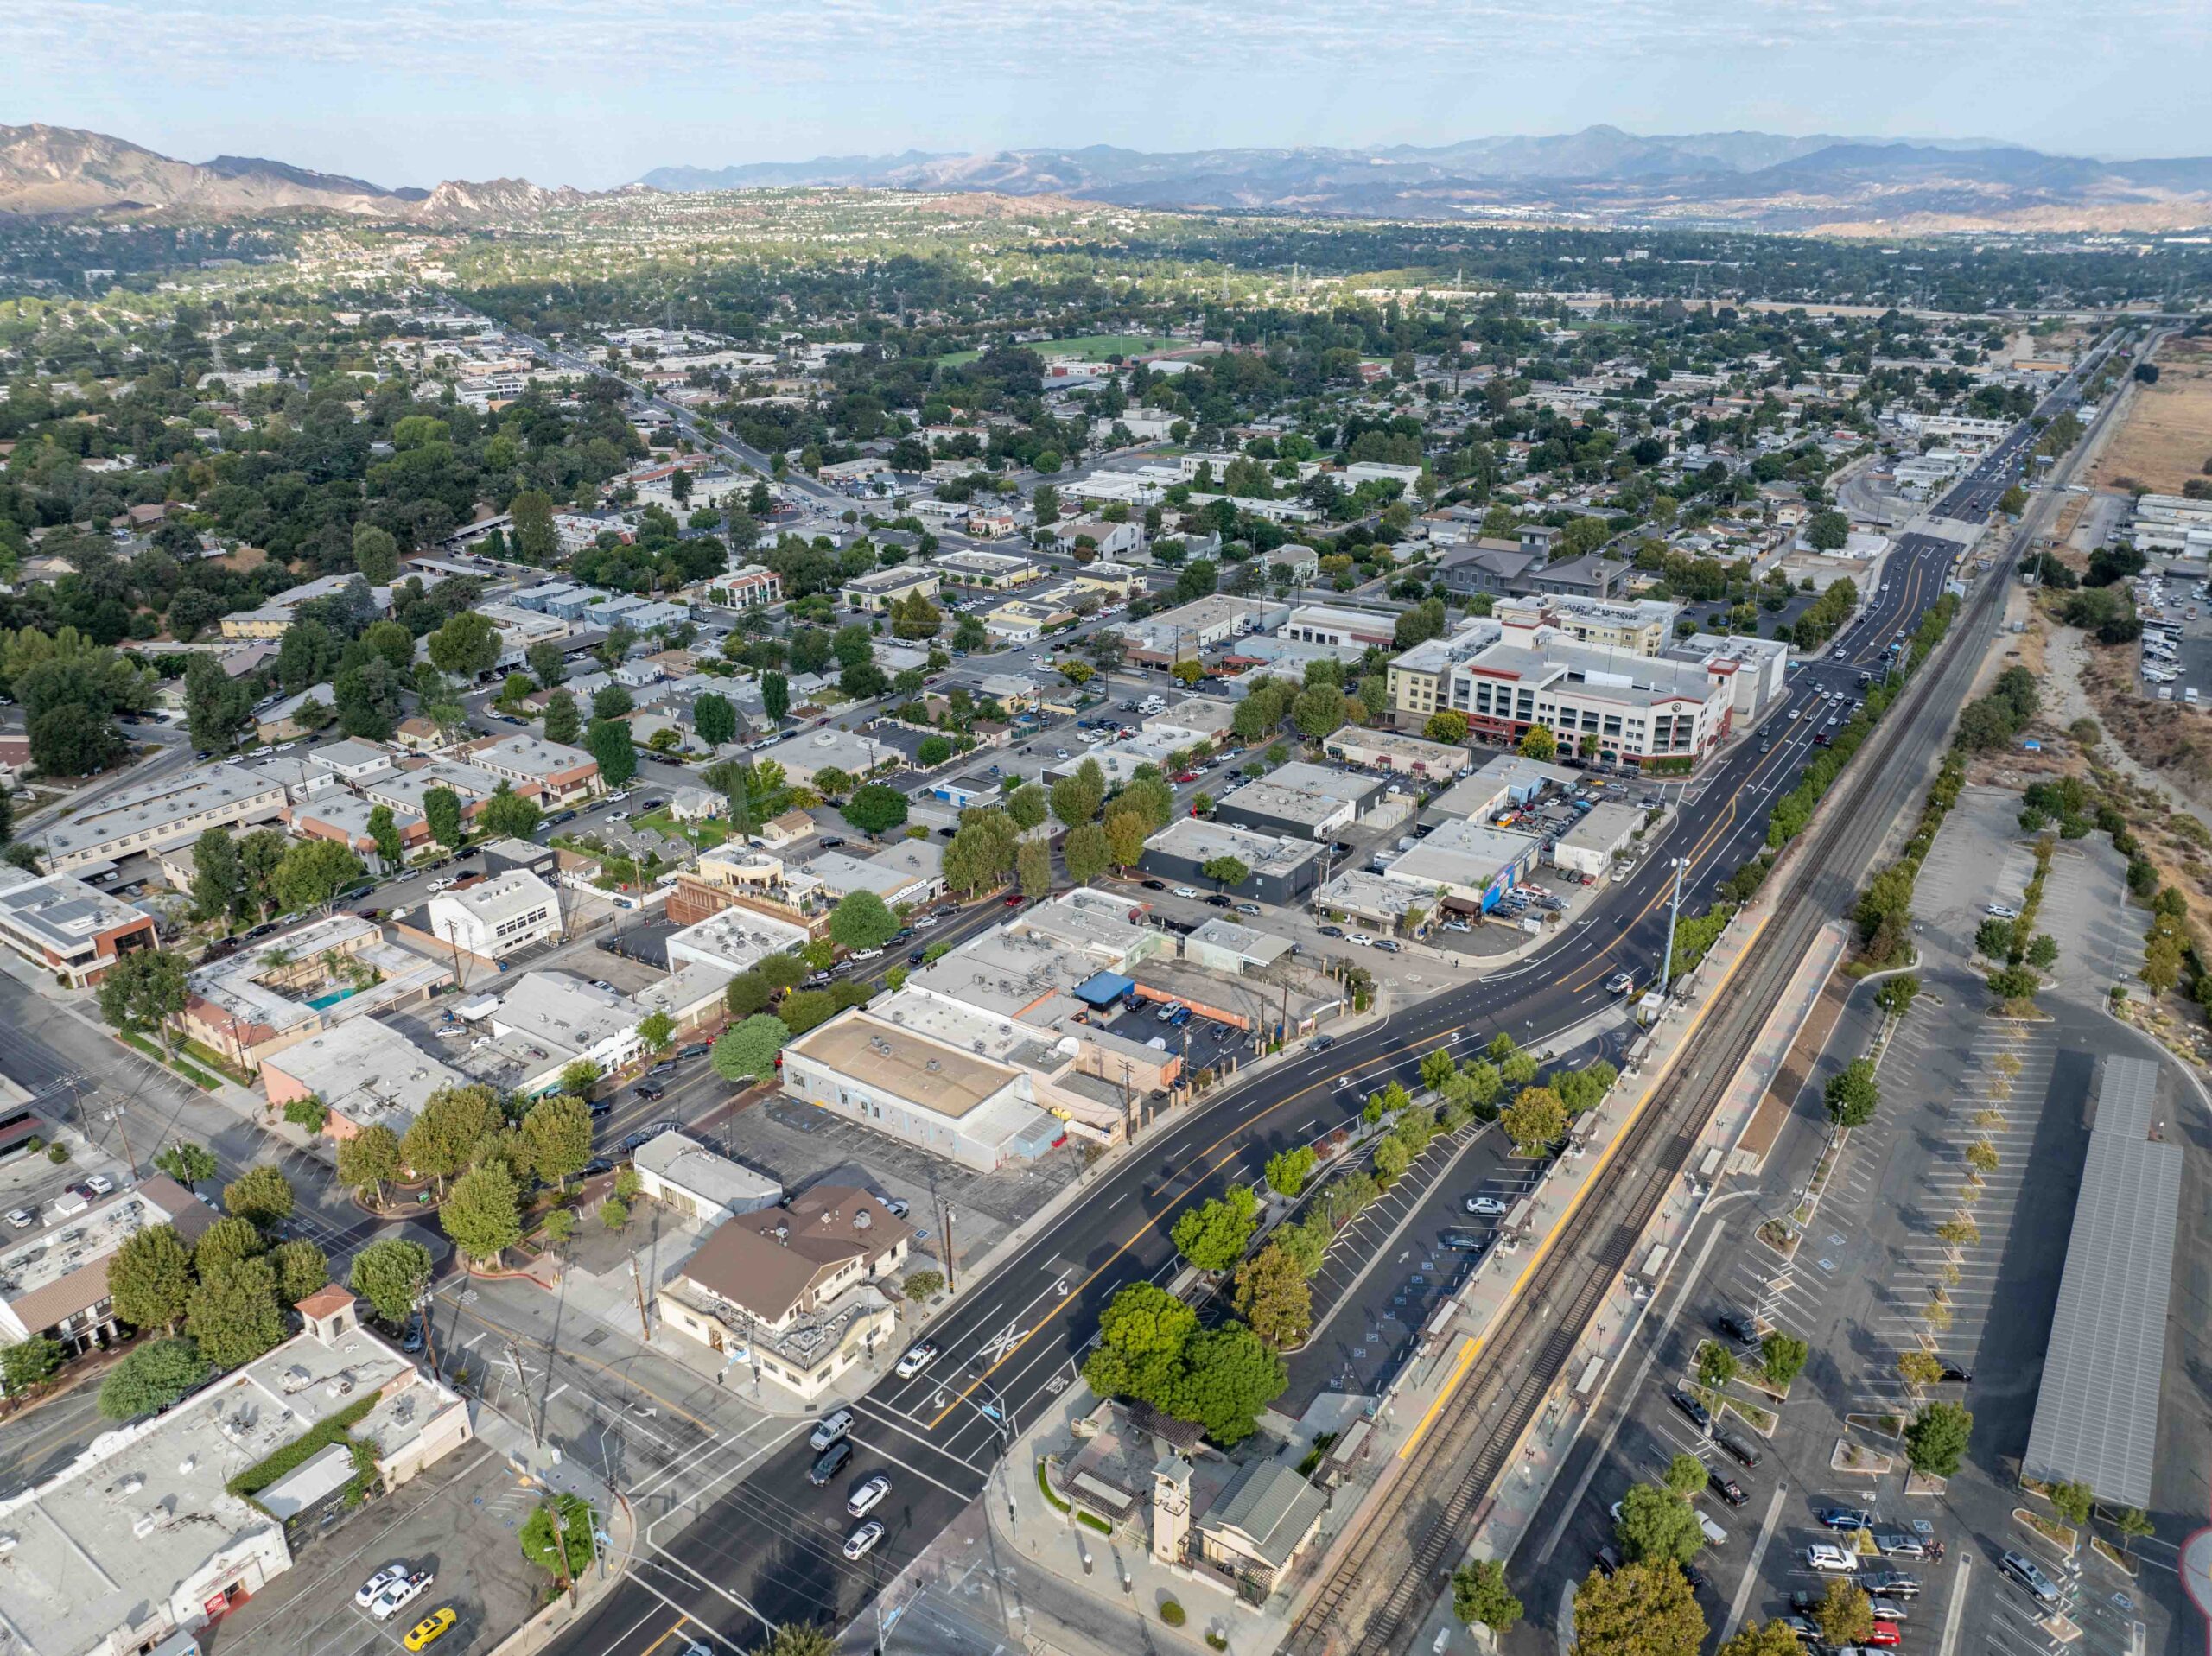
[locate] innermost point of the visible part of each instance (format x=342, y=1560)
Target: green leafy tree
x=775, y=696
x=368, y=1158
x=313, y=874
x=468, y=646
x=145, y=991
x=713, y=719
x=481, y=1213
x=1287, y=1171
x=2073, y=1501
x=1229, y=1376
x=1034, y=863
x=218, y=880
x=566, y=1554
x=376, y=554
x=28, y=1364
x=1935, y=1442
x=442, y=810
x=1685, y=1475
x=1640, y=1609
x=1782, y=1358
x=391, y=1274
x=1085, y=853
x=1844, y=1613
x=1716, y=1365
x=187, y=1163
x=806, y=1009
x=800, y=1638
x=609, y=743
x=547, y=664
x=151, y=1378
x=1853, y=1095
x=302, y=1268
x=563, y=724
x=1534, y=1120
x=224, y=1242
x=875, y=808
x=447, y=1130
x=391, y=846
x=862, y=921
x=234, y=1314
x=557, y=1137
x=1275, y=1298
x=658, y=1030
x=1658, y=1525
x=1449, y=726
x=1539, y=743
x=261, y=1195
x=748, y=1053
x=1769, y=1638
x=1226, y=872
x=1214, y=1235
x=149, y=1278
x=217, y=707
x=1479, y=1594
x=507, y=815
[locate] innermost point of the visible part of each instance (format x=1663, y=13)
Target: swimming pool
x=322, y=1002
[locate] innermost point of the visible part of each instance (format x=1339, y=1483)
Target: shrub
x=1171, y=1612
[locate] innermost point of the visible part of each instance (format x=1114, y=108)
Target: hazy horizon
x=596, y=94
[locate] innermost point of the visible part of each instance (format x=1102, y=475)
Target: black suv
x=829, y=1464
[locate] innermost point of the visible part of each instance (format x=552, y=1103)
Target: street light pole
x=1674, y=913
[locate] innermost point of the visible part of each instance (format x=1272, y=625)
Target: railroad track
x=1402, y=1561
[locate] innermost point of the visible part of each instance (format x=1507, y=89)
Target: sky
x=596, y=92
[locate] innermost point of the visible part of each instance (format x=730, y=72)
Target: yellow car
x=429, y=1629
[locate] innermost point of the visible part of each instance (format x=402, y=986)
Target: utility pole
x=637, y=1284
x=551, y=1507
x=121, y=1118
x=950, y=1286
x=1673, y=912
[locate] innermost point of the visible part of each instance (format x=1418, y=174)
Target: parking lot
x=459, y=1520
x=2175, y=653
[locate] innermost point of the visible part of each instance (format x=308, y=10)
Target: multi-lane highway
x=765, y=1547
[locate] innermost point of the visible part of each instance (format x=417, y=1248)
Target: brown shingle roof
x=746, y=1262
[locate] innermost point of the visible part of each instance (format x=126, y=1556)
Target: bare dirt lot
x=2167, y=436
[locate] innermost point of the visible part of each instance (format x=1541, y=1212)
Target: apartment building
x=494, y=918
x=156, y=815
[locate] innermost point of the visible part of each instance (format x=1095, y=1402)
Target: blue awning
x=1105, y=988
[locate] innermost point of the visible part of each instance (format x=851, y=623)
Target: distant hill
x=1760, y=179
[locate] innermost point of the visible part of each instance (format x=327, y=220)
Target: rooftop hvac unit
x=145, y=1524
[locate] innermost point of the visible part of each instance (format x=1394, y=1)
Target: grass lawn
x=706, y=835
x=1093, y=347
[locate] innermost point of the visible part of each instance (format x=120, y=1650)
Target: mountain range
x=1757, y=178
x=1600, y=174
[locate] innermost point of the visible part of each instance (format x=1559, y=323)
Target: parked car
x=1691, y=1407
x=1606, y=1562
x=22, y=1218
x=1846, y=1518
x=400, y=1594
x=1726, y=1487
x=1892, y=1584
x=1489, y=1206
x=1829, y=1559
x=376, y=1584
x=431, y=1628
x=862, y=1540
x=868, y=1494
x=1331, y=931
x=2029, y=1575
x=1900, y=1544
x=1738, y=1325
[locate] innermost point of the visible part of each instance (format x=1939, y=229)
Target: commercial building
x=1108, y=540
x=1225, y=946
x=737, y=938
x=1283, y=869
x=138, y=1544
x=906, y=871
x=1100, y=924
x=1605, y=704
x=874, y=593
x=1328, y=625
x=1420, y=680
x=1505, y=782
x=54, y=1283
x=1380, y=748
x=955, y=1104
x=547, y=1020
x=494, y=918
x=65, y=927
x=365, y=1072
x=1359, y=894
x=1757, y=669
x=1180, y=634
x=681, y=1173
x=1467, y=866
x=997, y=570
x=154, y=815
x=1643, y=626
x=1300, y=801
x=1590, y=844
x=833, y=749
x=800, y=1293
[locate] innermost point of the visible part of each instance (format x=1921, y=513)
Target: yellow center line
x=1582, y=1190
x=673, y=1629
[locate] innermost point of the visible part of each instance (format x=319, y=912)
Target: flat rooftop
x=1200, y=841
x=64, y=914
x=151, y=812
x=687, y=1162
x=897, y=1061
x=1461, y=852
x=1006, y=972
x=2096, y=1419
x=368, y=1072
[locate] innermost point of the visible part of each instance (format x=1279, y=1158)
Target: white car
x=99, y=1184
x=1361, y=938
x=402, y=1593
x=22, y=1218
x=2002, y=911
x=1830, y=1559
x=1488, y=1207
x=918, y=1357
x=1185, y=891
x=862, y=1540
x=618, y=816
x=923, y=922
x=1620, y=983
x=376, y=1584
x=869, y=1496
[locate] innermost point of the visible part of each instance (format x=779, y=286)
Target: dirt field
x=2167, y=436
